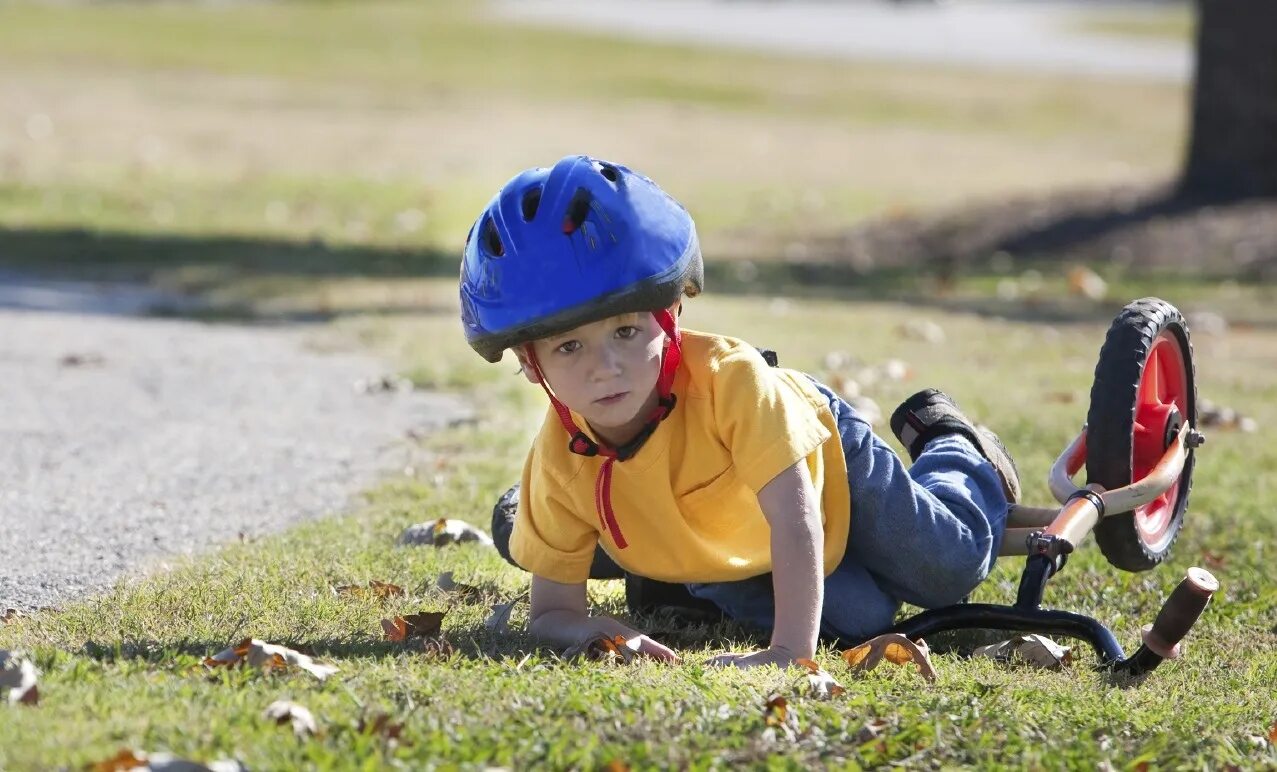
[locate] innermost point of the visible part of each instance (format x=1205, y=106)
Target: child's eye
x=568, y=347
x=627, y=332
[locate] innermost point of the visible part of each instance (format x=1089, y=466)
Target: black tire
x=1110, y=425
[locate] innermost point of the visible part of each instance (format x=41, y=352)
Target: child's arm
x=792, y=508
x=559, y=617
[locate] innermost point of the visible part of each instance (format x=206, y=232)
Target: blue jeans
x=927, y=535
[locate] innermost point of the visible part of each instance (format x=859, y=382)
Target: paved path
x=124, y=440
x=1001, y=34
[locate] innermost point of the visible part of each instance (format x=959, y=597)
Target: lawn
x=324, y=159
x=125, y=669
x=1156, y=22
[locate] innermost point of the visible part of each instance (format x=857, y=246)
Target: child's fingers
x=725, y=660
x=656, y=650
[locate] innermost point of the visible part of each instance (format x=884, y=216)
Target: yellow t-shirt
x=687, y=502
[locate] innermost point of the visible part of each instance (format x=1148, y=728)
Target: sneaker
x=931, y=413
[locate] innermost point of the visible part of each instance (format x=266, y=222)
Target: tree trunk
x=1233, y=147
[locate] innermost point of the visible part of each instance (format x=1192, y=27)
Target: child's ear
x=526, y=368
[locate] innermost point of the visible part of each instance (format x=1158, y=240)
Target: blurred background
x=313, y=159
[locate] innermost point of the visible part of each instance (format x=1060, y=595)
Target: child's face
x=606, y=371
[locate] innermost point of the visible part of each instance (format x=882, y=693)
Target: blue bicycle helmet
x=561, y=247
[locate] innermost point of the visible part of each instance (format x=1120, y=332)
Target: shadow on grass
x=176, y=275
x=471, y=643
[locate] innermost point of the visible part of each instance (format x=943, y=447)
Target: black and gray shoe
x=931, y=413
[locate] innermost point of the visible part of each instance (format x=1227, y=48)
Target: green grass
x=391, y=123
x=1173, y=23
x=324, y=160
x=123, y=669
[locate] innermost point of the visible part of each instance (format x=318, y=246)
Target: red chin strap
x=582, y=445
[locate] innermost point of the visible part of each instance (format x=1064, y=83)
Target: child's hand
x=774, y=656
x=658, y=651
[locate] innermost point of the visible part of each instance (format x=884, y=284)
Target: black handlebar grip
x=1180, y=612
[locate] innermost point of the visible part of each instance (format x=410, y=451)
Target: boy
x=689, y=459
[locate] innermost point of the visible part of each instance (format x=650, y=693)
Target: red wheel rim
x=1163, y=390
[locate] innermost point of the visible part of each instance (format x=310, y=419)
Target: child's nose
x=608, y=362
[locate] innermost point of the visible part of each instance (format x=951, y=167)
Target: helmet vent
x=492, y=239
x=609, y=172
x=531, y=200
x=578, y=210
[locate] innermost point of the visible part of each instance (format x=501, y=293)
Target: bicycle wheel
x=1144, y=391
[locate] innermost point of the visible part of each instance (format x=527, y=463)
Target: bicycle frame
x=1047, y=536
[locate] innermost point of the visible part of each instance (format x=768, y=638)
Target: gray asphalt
x=127, y=440
x=998, y=34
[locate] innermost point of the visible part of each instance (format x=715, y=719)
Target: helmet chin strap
x=581, y=444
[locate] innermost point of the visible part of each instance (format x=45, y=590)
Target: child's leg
x=928, y=534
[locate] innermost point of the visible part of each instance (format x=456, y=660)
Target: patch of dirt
x=1137, y=228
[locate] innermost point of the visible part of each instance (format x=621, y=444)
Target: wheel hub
x=1174, y=422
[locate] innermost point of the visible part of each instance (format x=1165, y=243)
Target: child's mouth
x=612, y=399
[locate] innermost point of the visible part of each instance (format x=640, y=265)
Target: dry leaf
x=381, y=725
x=616, y=765
x=894, y=648
x=446, y=583
x=161, y=762
x=1032, y=649
x=871, y=731
x=444, y=531
x=421, y=625
x=11, y=615
x=1214, y=560
x=615, y=650
x=121, y=762
x=1272, y=734
x=1083, y=281
x=776, y=711
x=285, y=712
x=433, y=647
x=374, y=589
x=499, y=621
x=267, y=657
x=821, y=684
x=779, y=717
x=18, y=679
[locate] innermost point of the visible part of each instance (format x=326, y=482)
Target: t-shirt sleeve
x=549, y=539
x=764, y=420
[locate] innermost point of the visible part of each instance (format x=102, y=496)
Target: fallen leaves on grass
x=444, y=531
x=1272, y=734
x=267, y=657
x=777, y=715
x=1032, y=649
x=615, y=650
x=374, y=589
x=820, y=683
x=448, y=584
x=499, y=621
x=18, y=679
x=1087, y=283
x=421, y=625
x=1215, y=561
x=381, y=725
x=894, y=648
x=127, y=760
x=285, y=712
x=871, y=731
x=11, y=615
